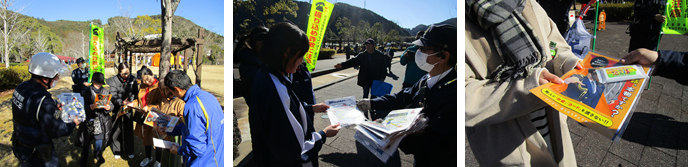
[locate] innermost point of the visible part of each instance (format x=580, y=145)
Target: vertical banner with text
x=676, y=18
x=95, y=51
x=317, y=23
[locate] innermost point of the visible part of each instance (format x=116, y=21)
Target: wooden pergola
x=190, y=47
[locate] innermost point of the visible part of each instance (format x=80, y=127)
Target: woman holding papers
x=98, y=123
x=172, y=106
x=435, y=93
x=282, y=132
x=123, y=88
x=150, y=96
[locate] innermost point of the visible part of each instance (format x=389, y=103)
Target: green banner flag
x=676, y=19
x=317, y=24
x=95, y=51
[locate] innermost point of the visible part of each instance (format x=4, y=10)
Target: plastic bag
x=579, y=39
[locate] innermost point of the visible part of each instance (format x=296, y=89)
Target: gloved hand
x=363, y=105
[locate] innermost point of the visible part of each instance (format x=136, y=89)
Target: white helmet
x=47, y=65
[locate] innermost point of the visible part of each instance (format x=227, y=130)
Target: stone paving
x=658, y=132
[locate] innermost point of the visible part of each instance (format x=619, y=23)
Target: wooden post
x=175, y=60
x=186, y=59
x=199, y=56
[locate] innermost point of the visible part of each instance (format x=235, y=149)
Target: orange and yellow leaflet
x=605, y=108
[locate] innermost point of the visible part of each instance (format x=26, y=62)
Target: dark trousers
x=26, y=157
x=366, y=91
x=647, y=40
x=348, y=56
x=98, y=149
x=123, y=136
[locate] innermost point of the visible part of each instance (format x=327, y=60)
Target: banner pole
x=594, y=36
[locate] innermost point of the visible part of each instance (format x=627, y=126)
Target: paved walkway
x=658, y=132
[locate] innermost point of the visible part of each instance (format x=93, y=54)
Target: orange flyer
x=606, y=108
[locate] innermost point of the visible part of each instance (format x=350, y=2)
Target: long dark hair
x=257, y=34
x=283, y=37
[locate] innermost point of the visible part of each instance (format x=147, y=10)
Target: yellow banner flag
x=317, y=24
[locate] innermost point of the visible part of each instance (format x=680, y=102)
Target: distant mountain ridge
x=420, y=27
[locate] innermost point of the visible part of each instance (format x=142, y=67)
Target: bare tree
x=40, y=42
x=125, y=24
x=168, y=8
x=10, y=22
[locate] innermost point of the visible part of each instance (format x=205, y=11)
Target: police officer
x=435, y=93
x=647, y=23
x=80, y=76
x=33, y=110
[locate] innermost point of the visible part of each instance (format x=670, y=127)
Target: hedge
x=615, y=11
x=13, y=76
x=326, y=53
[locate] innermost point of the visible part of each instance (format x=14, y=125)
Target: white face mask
x=421, y=61
x=53, y=84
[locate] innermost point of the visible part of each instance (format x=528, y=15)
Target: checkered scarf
x=516, y=41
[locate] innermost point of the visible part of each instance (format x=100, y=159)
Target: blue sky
x=408, y=13
x=208, y=14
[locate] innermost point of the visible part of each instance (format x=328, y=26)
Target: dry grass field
x=213, y=82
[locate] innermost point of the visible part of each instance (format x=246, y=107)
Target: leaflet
x=344, y=111
x=155, y=118
x=604, y=107
x=72, y=107
x=102, y=100
x=163, y=143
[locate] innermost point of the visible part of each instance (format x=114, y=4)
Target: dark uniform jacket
x=672, y=64
x=274, y=140
x=102, y=114
x=303, y=87
x=436, y=144
x=79, y=77
x=122, y=90
x=373, y=67
x=35, y=122
x=247, y=70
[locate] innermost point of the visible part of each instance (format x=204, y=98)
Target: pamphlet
x=102, y=100
x=383, y=138
x=604, y=107
x=344, y=111
x=155, y=118
x=72, y=107
x=163, y=143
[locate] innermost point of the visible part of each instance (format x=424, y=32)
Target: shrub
x=13, y=76
x=326, y=54
x=615, y=11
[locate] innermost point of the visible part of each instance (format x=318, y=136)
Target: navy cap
x=370, y=40
x=442, y=36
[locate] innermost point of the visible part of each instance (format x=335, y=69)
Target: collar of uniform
x=433, y=80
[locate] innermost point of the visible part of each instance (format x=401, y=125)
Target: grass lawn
x=69, y=155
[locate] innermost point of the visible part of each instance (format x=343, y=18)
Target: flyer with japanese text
x=604, y=107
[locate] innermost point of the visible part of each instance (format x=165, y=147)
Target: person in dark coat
x=33, y=114
x=347, y=51
x=668, y=63
x=373, y=66
x=303, y=87
x=101, y=115
x=436, y=93
x=281, y=131
x=80, y=76
x=647, y=23
x=124, y=89
x=247, y=51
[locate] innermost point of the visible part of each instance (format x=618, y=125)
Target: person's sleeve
x=313, y=146
x=51, y=125
x=74, y=78
x=436, y=136
x=194, y=144
x=352, y=62
x=403, y=59
x=564, y=61
x=307, y=107
x=394, y=101
x=672, y=64
x=116, y=92
x=489, y=102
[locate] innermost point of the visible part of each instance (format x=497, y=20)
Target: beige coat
x=497, y=126
x=155, y=99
